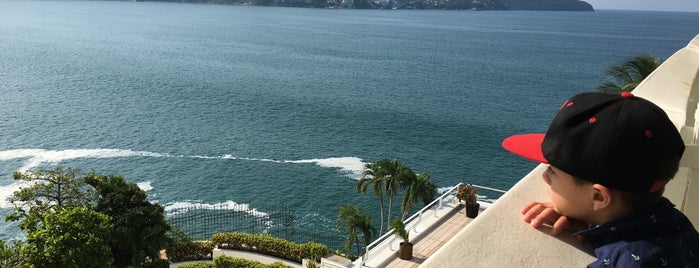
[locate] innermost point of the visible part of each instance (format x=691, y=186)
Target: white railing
x=411, y=222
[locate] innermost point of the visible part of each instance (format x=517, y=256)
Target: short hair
x=639, y=201
x=634, y=201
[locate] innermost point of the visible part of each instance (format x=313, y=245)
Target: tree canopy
x=78, y=220
x=356, y=223
x=140, y=228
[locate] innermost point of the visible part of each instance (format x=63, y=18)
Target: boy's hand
x=538, y=214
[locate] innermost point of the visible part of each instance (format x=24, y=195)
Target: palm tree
x=374, y=176
x=399, y=178
x=355, y=222
x=420, y=189
x=387, y=177
x=628, y=74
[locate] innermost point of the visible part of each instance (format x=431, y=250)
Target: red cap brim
x=526, y=145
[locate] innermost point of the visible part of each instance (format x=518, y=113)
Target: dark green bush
x=269, y=245
x=233, y=262
x=156, y=264
x=183, y=248
x=197, y=265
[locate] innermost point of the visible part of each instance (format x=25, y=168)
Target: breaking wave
x=176, y=208
x=350, y=166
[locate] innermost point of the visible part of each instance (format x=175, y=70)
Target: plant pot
x=472, y=210
x=405, y=251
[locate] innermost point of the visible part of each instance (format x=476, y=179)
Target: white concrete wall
x=500, y=238
x=674, y=86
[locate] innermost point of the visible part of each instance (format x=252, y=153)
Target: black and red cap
x=620, y=141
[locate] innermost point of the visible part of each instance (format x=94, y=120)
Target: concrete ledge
x=499, y=237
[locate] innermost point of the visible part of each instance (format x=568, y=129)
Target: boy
x=609, y=158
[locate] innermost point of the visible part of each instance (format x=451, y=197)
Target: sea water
x=263, y=106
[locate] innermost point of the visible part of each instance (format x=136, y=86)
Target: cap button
x=626, y=95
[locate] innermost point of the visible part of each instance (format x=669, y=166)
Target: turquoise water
x=210, y=104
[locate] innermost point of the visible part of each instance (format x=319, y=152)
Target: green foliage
x=269, y=245
x=419, y=189
x=49, y=190
x=74, y=237
x=399, y=229
x=140, y=228
x=74, y=220
x=628, y=74
x=467, y=193
x=314, y=251
x=12, y=256
x=182, y=248
x=387, y=177
x=233, y=262
x=355, y=222
x=159, y=263
x=197, y=265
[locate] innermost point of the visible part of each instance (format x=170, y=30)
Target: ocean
x=203, y=105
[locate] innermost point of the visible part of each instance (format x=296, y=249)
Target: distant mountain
x=559, y=5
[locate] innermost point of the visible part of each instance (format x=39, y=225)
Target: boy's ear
x=602, y=197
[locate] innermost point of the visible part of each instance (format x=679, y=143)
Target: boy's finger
x=547, y=216
x=533, y=212
x=560, y=225
x=528, y=207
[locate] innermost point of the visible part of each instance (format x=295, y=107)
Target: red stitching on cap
x=657, y=185
x=566, y=104
x=648, y=134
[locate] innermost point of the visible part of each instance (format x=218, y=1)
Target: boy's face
x=569, y=198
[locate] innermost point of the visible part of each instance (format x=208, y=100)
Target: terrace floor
x=425, y=246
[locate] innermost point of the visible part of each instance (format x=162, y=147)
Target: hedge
x=233, y=262
x=268, y=245
x=190, y=251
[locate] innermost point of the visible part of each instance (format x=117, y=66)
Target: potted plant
x=467, y=193
x=405, y=251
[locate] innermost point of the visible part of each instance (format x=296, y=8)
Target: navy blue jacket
x=660, y=237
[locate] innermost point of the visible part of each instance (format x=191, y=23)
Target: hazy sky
x=659, y=5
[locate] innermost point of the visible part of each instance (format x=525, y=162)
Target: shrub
x=233, y=262
x=314, y=251
x=183, y=248
x=197, y=265
x=156, y=264
x=268, y=245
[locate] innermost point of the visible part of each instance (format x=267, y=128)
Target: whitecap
x=353, y=166
x=145, y=186
x=181, y=207
x=5, y=193
x=41, y=156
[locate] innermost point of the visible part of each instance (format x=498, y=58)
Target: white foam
x=40, y=156
x=37, y=157
x=351, y=165
x=145, y=186
x=5, y=192
x=442, y=190
x=182, y=207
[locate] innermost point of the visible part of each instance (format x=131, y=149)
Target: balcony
x=499, y=238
